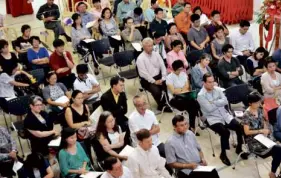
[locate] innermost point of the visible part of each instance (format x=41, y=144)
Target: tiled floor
x=245, y=169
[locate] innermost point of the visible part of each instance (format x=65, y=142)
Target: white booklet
x=137, y=46
x=91, y=174
x=204, y=169
x=55, y=142
x=89, y=40
x=62, y=99
x=17, y=165
x=127, y=151
x=117, y=37
x=238, y=113
x=264, y=140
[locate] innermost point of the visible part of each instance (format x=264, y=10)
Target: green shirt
x=68, y=161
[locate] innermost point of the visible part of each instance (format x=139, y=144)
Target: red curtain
x=231, y=11
x=18, y=7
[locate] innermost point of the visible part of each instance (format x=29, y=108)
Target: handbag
x=86, y=132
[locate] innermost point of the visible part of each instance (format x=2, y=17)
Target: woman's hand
x=124, y=157
x=82, y=171
x=64, y=105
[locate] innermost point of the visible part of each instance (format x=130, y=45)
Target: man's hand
x=203, y=162
x=219, y=22
x=56, y=133
x=158, y=82
x=193, y=166
x=64, y=54
x=132, y=27
x=202, y=45
x=13, y=155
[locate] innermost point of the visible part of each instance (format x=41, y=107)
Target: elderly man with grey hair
x=152, y=72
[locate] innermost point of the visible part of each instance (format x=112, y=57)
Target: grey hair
x=138, y=97
x=34, y=99
x=146, y=41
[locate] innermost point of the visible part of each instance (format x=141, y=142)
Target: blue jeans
x=277, y=135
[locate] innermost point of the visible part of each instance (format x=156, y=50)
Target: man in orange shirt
x=182, y=20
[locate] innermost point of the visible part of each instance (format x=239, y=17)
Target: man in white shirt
x=152, y=72
x=145, y=161
x=114, y=169
x=243, y=42
x=159, y=46
x=88, y=84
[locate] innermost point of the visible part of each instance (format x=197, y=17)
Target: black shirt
x=32, y=123
x=22, y=43
x=7, y=63
x=161, y=27
x=225, y=67
x=48, y=11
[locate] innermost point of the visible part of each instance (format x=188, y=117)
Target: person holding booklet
x=110, y=139
x=184, y=154
x=54, y=91
x=254, y=124
x=145, y=161
x=178, y=84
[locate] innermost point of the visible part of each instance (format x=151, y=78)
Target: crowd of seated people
x=164, y=71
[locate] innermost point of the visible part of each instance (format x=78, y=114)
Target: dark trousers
x=161, y=149
x=191, y=106
x=276, y=157
x=232, y=82
x=155, y=90
x=224, y=133
x=80, y=50
x=213, y=174
x=243, y=60
x=56, y=27
x=68, y=80
x=115, y=44
x=143, y=31
x=6, y=169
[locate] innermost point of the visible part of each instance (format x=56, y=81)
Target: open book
x=137, y=46
x=89, y=40
x=116, y=37
x=127, y=151
x=91, y=174
x=204, y=169
x=264, y=140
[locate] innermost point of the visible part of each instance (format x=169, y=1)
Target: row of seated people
x=212, y=102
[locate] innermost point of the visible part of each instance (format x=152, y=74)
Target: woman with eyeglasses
x=40, y=126
x=110, y=139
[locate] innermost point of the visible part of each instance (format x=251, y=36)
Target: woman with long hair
x=110, y=137
x=72, y=157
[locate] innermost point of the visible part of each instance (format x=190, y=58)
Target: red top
x=57, y=62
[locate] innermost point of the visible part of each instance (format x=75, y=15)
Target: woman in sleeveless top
x=77, y=117
x=110, y=139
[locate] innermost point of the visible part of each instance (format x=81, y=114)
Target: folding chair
x=39, y=75
x=21, y=133
x=193, y=56
x=124, y=59
x=18, y=106
x=103, y=47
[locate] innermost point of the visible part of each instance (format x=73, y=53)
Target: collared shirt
x=86, y=85
x=57, y=62
x=160, y=27
x=48, y=11
x=173, y=56
x=86, y=18
x=212, y=106
x=116, y=97
x=225, y=66
x=7, y=144
x=160, y=48
x=123, y=9
x=6, y=89
x=137, y=37
x=126, y=174
x=146, y=121
x=183, y=22
x=212, y=28
x=149, y=15
x=147, y=164
x=182, y=149
x=241, y=42
x=150, y=65
x=198, y=36
x=177, y=81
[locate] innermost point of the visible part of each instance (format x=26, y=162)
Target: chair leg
x=103, y=77
x=147, y=99
x=237, y=159
x=257, y=167
x=211, y=141
x=4, y=115
x=162, y=112
x=21, y=147
x=28, y=144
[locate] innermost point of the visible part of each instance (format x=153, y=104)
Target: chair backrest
x=19, y=106
x=194, y=56
x=272, y=116
x=101, y=46
x=39, y=75
x=237, y=94
x=18, y=126
x=123, y=58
